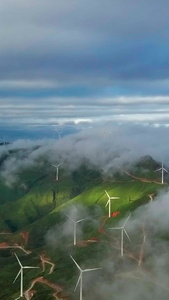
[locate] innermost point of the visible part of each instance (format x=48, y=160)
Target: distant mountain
x=148, y=162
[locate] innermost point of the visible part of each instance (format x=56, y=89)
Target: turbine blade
x=81, y=220
x=107, y=194
x=127, y=234
x=158, y=170
x=18, y=260
x=77, y=282
x=107, y=202
x=115, y=228
x=165, y=170
x=89, y=270
x=17, y=276
x=70, y=218
x=27, y=267
x=54, y=166
x=59, y=164
x=76, y=263
x=127, y=219
x=114, y=197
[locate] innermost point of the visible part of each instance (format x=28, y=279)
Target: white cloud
x=92, y=145
x=31, y=84
x=154, y=110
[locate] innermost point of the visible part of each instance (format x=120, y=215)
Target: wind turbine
x=109, y=202
x=162, y=169
x=57, y=170
x=106, y=133
x=59, y=133
x=80, y=279
x=123, y=230
x=3, y=143
x=75, y=224
x=21, y=273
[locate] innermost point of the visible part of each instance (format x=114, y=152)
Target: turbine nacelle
x=56, y=166
x=78, y=221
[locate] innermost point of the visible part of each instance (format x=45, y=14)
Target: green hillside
x=40, y=210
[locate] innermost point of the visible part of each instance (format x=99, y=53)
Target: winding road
x=46, y=260
x=14, y=247
x=141, y=178
x=29, y=293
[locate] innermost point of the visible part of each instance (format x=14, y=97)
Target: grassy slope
x=37, y=212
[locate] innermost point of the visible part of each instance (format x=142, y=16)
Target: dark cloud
x=118, y=39
x=83, y=50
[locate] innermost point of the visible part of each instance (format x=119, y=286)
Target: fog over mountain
x=143, y=272
x=106, y=148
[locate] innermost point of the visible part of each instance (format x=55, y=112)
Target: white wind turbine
x=80, y=279
x=123, y=230
x=59, y=132
x=162, y=169
x=3, y=142
x=57, y=170
x=106, y=133
x=21, y=273
x=75, y=224
x=109, y=202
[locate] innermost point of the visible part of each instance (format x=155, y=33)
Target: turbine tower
x=162, y=169
x=75, y=224
x=57, y=170
x=109, y=202
x=80, y=279
x=21, y=273
x=123, y=230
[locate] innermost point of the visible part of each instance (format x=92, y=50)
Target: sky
x=65, y=64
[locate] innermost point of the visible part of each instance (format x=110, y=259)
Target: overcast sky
x=83, y=60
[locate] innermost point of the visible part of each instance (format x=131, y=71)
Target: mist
x=105, y=148
x=143, y=271
x=63, y=234
x=147, y=278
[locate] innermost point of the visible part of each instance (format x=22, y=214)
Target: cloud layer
x=63, y=61
x=106, y=148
